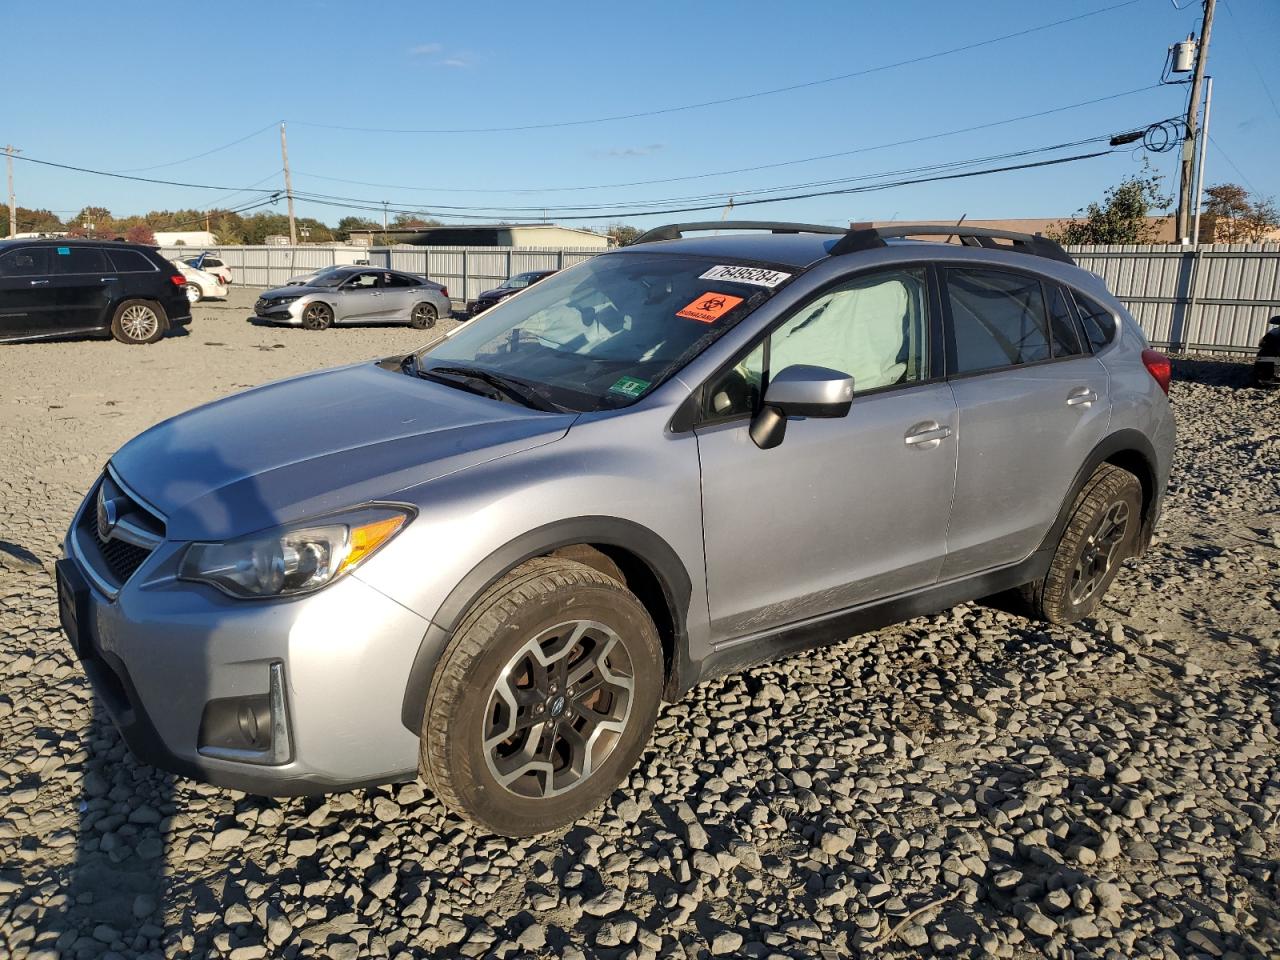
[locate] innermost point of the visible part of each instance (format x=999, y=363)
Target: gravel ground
x=970, y=783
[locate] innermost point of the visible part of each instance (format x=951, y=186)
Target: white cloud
x=425, y=49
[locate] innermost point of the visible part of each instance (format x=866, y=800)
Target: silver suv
x=487, y=562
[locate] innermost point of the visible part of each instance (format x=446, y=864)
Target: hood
x=495, y=294
x=313, y=444
x=291, y=290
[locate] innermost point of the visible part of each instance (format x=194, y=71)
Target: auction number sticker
x=630, y=386
x=757, y=276
x=709, y=307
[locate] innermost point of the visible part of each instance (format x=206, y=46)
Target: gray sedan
x=357, y=295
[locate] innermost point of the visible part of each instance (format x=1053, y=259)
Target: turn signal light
x=1159, y=366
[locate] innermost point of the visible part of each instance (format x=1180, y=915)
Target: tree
x=31, y=221
x=410, y=221
x=347, y=224
x=1238, y=216
x=1122, y=215
x=95, y=223
x=622, y=234
x=140, y=233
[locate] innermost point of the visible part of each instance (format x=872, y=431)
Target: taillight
x=1159, y=366
x=178, y=280
x=444, y=291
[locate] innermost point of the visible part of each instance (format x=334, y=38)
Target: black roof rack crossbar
x=871, y=238
x=676, y=231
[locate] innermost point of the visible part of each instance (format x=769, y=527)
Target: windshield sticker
x=630, y=386
x=709, y=307
x=64, y=251
x=756, y=276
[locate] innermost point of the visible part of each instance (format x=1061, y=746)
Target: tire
x=194, y=293
x=1103, y=532
x=423, y=316
x=552, y=605
x=317, y=316
x=139, y=321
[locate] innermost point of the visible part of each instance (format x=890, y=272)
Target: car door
x=359, y=298
x=1033, y=403
x=28, y=302
x=85, y=282
x=844, y=511
x=399, y=293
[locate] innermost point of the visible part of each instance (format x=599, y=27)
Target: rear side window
x=1099, y=324
x=130, y=261
x=1062, y=324
x=25, y=262
x=997, y=320
x=80, y=260
x=400, y=280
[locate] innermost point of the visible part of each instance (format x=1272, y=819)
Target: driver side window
x=363, y=281
x=873, y=328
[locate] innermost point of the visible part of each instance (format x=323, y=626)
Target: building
x=1165, y=232
x=1216, y=229
x=189, y=238
x=488, y=235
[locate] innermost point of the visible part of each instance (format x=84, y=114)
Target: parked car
x=210, y=264
x=487, y=561
x=1266, y=367
x=303, y=279
x=357, y=295
x=506, y=289
x=64, y=287
x=200, y=285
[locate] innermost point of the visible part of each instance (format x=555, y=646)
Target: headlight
x=284, y=300
x=296, y=559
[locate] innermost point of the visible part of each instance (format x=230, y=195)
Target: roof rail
x=873, y=237
x=676, y=231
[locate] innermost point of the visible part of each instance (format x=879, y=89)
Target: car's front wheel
x=423, y=316
x=543, y=700
x=317, y=316
x=1102, y=533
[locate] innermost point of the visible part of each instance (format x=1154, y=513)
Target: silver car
x=349, y=295
x=490, y=559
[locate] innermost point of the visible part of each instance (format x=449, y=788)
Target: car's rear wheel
x=543, y=699
x=317, y=316
x=139, y=321
x=1103, y=532
x=423, y=316
x=194, y=292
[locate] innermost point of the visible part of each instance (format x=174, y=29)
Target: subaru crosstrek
x=487, y=562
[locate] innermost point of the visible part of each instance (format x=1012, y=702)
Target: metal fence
x=1207, y=298
x=1210, y=298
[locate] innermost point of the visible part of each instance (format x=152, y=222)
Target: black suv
x=62, y=288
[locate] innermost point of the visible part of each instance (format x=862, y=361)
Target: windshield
x=603, y=333
x=519, y=281
x=329, y=278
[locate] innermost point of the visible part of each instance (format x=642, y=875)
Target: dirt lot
x=969, y=783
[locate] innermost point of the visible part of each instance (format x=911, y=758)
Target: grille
x=112, y=558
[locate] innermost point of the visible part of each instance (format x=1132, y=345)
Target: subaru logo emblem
x=557, y=706
x=108, y=517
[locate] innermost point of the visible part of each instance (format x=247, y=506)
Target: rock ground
x=970, y=783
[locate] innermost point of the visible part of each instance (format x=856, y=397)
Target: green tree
x=31, y=221
x=96, y=223
x=1122, y=217
x=347, y=224
x=1238, y=216
x=622, y=234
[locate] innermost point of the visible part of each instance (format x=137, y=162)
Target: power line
x=1262, y=79
x=1231, y=163
x=122, y=176
x=799, y=196
x=198, y=156
x=755, y=169
x=734, y=99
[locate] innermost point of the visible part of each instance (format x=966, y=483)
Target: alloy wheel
x=424, y=315
x=139, y=322
x=1100, y=552
x=558, y=709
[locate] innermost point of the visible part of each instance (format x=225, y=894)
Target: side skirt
x=739, y=653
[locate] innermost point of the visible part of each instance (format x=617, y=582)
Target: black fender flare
x=1125, y=441
x=652, y=549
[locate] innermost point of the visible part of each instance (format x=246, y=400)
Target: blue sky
x=124, y=85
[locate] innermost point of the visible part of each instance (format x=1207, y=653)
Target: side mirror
x=800, y=391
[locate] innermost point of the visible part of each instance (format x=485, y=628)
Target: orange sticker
x=709, y=307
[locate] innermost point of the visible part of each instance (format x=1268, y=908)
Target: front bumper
x=1266, y=371
x=479, y=306
x=284, y=313
x=166, y=658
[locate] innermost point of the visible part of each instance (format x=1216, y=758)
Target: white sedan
x=210, y=264
x=200, y=285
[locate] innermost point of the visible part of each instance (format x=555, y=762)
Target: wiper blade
x=504, y=385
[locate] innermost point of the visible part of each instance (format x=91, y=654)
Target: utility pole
x=1186, y=184
x=288, y=185
x=1204, y=144
x=9, y=151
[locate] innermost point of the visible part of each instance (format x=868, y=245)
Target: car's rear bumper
x=1266, y=371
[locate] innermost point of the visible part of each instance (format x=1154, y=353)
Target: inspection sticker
x=64, y=251
x=709, y=307
x=757, y=276
x=630, y=386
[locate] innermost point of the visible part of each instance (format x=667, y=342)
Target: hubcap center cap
x=555, y=707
